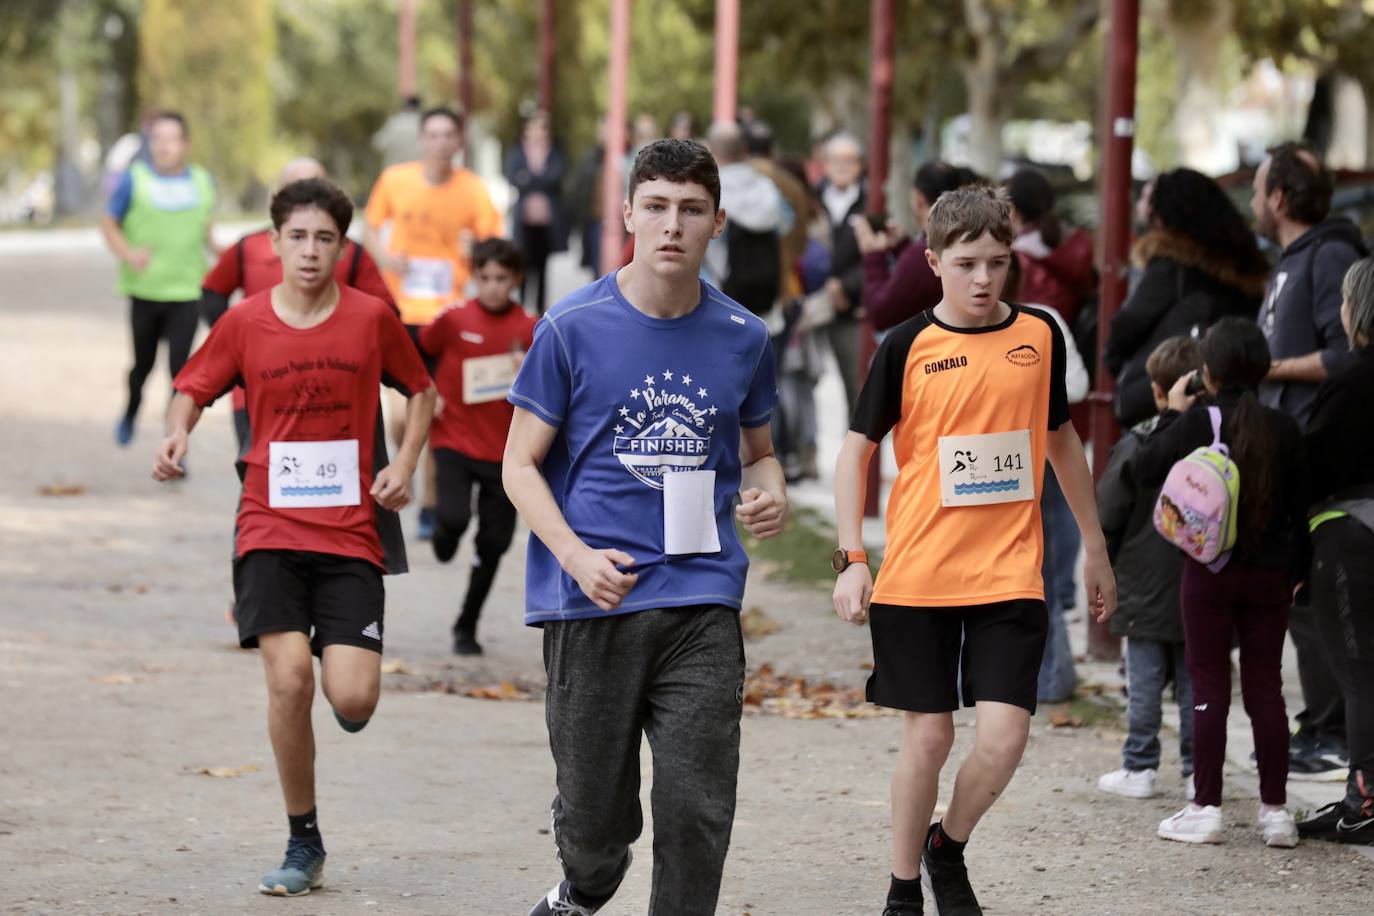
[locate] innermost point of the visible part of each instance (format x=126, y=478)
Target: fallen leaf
x=792, y=697
x=116, y=679
x=506, y=690
x=755, y=623
x=62, y=489
x=397, y=666
x=1061, y=718
x=226, y=772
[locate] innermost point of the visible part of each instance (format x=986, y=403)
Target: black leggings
x=1343, y=605
x=538, y=242
x=151, y=322
x=457, y=475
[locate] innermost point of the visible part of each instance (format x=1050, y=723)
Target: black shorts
x=431, y=362
x=919, y=654
x=332, y=599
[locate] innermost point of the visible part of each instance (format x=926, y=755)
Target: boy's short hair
x=678, y=161
x=498, y=251
x=442, y=111
x=967, y=214
x=1174, y=358
x=175, y=117
x=320, y=193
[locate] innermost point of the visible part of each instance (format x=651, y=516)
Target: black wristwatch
x=842, y=559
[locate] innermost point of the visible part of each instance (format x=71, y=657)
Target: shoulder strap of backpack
x=353, y=265
x=1214, y=414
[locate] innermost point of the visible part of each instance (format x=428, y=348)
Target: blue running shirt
x=631, y=397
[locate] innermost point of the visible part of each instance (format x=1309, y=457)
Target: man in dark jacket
x=1301, y=317
x=842, y=194
x=1148, y=572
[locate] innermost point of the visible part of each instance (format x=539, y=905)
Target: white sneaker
x=1279, y=829
x=1130, y=783
x=1193, y=825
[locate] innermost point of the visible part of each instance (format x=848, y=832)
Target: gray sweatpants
x=677, y=676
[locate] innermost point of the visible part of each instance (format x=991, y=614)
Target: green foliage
x=211, y=61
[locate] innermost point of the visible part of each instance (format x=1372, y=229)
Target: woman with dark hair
x=1200, y=262
x=535, y=167
x=1340, y=439
x=1056, y=263
x=1250, y=593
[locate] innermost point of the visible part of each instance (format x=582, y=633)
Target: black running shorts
x=332, y=599
x=919, y=652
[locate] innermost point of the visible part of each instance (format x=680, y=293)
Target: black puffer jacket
x=1148, y=568
x=1184, y=290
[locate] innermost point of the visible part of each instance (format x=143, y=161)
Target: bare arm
x=182, y=416
x=854, y=587
x=372, y=242
x=391, y=488
x=595, y=570
x=1309, y=368
x=137, y=258
x=1070, y=465
x=763, y=491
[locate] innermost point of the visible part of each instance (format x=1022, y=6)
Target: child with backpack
x=1239, y=584
x=1148, y=569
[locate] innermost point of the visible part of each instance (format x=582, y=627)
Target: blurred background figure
x=1056, y=261
x=842, y=193
x=1200, y=262
x=535, y=169
x=682, y=126
x=398, y=140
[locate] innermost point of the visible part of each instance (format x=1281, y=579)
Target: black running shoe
x=465, y=643
x=946, y=881
x=904, y=908
x=1320, y=762
x=558, y=902
x=445, y=545
x=1338, y=824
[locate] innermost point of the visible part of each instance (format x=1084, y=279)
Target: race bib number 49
x=313, y=475
x=988, y=469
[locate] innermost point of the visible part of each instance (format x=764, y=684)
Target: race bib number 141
x=313, y=475
x=988, y=469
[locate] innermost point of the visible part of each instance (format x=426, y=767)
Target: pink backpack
x=1196, y=510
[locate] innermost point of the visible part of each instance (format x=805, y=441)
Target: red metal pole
x=727, y=60
x=465, y=57
x=547, y=54
x=1118, y=135
x=879, y=145
x=406, y=53
x=612, y=181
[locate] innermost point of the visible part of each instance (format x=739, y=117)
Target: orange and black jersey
x=929, y=382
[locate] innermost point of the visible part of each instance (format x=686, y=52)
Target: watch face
x=839, y=560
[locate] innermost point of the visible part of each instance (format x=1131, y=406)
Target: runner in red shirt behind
x=479, y=345
x=252, y=265
x=309, y=553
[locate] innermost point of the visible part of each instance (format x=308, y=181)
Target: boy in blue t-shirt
x=641, y=410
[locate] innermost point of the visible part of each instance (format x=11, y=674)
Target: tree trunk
x=1197, y=117
x=987, y=115
x=70, y=192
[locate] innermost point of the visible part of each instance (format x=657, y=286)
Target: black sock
x=306, y=827
x=941, y=846
x=904, y=891
x=584, y=899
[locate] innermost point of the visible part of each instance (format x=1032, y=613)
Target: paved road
x=120, y=682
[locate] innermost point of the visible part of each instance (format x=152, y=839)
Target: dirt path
x=120, y=682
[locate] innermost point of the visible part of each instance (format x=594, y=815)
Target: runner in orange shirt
x=974, y=393
x=436, y=213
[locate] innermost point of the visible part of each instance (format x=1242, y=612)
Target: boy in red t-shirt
x=479, y=345
x=309, y=555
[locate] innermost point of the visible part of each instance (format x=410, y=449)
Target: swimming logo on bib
x=326, y=490
x=664, y=429
x=991, y=486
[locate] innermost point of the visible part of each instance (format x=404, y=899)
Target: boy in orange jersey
x=974, y=389
x=478, y=346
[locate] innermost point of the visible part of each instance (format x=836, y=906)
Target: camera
x=1196, y=386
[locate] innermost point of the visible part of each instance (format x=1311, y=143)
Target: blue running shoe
x=425, y=529
x=124, y=431
x=301, y=871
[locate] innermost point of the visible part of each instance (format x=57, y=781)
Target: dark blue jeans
x=1148, y=663
x=1057, y=676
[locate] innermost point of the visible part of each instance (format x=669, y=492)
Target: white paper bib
x=987, y=469
x=313, y=475
x=488, y=378
x=428, y=278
